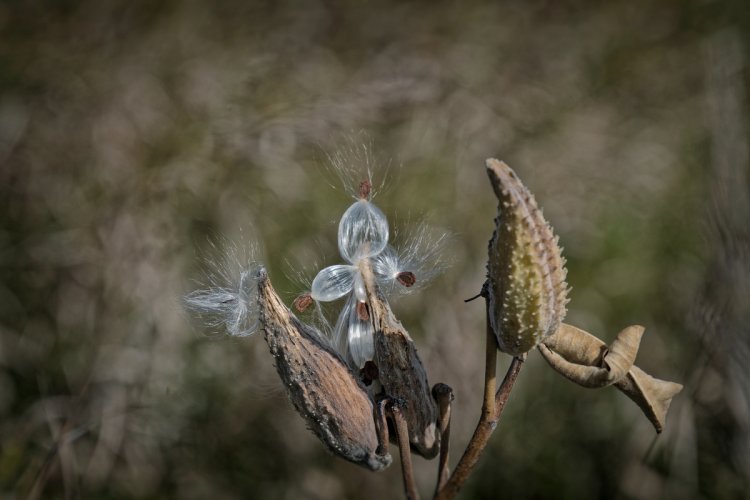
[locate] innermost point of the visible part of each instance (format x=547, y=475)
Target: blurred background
x=133, y=133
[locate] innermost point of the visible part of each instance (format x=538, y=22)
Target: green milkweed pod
x=527, y=296
x=526, y=271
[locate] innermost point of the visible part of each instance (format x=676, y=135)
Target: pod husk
x=333, y=402
x=526, y=273
x=589, y=362
x=401, y=373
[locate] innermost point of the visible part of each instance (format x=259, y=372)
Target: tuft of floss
x=353, y=335
x=363, y=231
x=360, y=173
x=411, y=265
x=363, y=235
x=299, y=274
x=228, y=301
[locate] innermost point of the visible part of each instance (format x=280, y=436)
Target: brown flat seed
x=362, y=312
x=406, y=278
x=302, y=302
x=365, y=187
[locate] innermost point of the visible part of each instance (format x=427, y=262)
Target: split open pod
x=335, y=404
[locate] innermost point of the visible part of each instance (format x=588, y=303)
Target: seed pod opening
x=401, y=373
x=332, y=401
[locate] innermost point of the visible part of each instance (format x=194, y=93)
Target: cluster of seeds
x=228, y=302
x=363, y=244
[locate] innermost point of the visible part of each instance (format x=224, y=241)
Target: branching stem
x=394, y=411
x=493, y=405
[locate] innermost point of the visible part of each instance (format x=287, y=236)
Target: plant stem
x=443, y=394
x=394, y=410
x=510, y=379
x=493, y=405
x=381, y=426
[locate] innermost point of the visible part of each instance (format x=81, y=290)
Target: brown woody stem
x=492, y=408
x=443, y=394
x=381, y=426
x=394, y=408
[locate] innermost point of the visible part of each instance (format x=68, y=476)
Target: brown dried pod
x=401, y=373
x=587, y=361
x=332, y=401
x=526, y=285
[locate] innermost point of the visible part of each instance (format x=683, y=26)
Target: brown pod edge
x=332, y=401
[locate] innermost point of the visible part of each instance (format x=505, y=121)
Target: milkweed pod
x=332, y=401
x=589, y=362
x=401, y=373
x=526, y=273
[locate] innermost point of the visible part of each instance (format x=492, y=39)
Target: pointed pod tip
x=497, y=171
x=265, y=288
x=636, y=328
x=495, y=164
x=653, y=396
x=498, y=168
